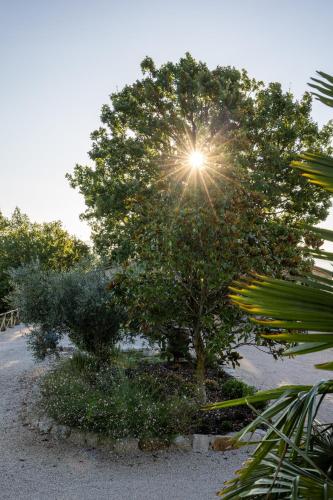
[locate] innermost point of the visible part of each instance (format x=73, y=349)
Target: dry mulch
x=206, y=422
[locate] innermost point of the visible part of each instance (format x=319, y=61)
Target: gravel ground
x=37, y=468
x=261, y=370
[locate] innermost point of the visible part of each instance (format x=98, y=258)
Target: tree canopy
x=149, y=128
x=23, y=241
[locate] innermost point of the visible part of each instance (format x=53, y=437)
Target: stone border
x=199, y=443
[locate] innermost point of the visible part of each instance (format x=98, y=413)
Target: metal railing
x=9, y=319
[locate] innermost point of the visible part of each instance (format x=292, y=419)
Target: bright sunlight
x=196, y=159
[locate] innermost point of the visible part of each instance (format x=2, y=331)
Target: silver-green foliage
x=76, y=302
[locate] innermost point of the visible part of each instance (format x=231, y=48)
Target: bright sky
x=61, y=59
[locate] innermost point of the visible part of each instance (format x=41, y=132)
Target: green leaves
x=324, y=88
x=260, y=397
x=23, y=242
x=287, y=305
x=251, y=132
x=316, y=167
x=77, y=302
x=286, y=460
x=294, y=460
x=276, y=477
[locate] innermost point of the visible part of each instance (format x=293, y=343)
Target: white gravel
x=264, y=372
x=37, y=468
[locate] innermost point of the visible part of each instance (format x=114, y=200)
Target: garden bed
x=141, y=398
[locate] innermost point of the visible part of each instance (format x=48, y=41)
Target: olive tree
x=77, y=302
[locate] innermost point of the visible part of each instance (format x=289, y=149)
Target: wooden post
x=9, y=319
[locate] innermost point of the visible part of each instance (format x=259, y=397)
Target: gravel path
x=37, y=468
x=264, y=372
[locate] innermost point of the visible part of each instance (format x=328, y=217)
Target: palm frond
x=291, y=306
x=317, y=167
x=323, y=88
x=279, y=478
x=291, y=436
x=323, y=233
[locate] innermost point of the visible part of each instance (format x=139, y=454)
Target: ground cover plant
x=134, y=396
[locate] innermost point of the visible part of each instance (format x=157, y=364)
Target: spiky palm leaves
x=295, y=459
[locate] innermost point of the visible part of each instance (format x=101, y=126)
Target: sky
x=60, y=60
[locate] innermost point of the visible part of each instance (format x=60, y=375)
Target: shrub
x=118, y=402
x=234, y=388
x=76, y=302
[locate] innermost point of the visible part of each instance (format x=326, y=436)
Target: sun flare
x=196, y=159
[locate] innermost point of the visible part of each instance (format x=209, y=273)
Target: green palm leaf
x=318, y=168
x=290, y=437
x=289, y=305
x=278, y=478
x=323, y=88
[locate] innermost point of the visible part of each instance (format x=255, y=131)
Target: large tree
x=294, y=459
x=191, y=182
x=176, y=290
x=22, y=242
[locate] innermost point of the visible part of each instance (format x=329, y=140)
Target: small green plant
x=234, y=388
x=226, y=426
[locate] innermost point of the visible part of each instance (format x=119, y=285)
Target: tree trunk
x=200, y=365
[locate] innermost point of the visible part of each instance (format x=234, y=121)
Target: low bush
x=116, y=401
x=136, y=396
x=234, y=388
x=76, y=302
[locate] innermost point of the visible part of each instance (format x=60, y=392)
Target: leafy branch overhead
x=286, y=305
x=324, y=88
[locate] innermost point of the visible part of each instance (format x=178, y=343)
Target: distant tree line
x=23, y=242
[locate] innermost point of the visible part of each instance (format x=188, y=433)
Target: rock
x=107, y=443
x=34, y=422
x=92, y=439
x=127, y=445
x=222, y=443
x=182, y=442
x=35, y=392
x=45, y=424
x=77, y=437
x=201, y=442
x=60, y=431
x=152, y=444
